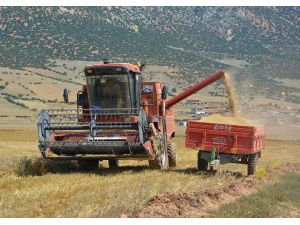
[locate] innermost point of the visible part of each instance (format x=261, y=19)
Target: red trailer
x=223, y=143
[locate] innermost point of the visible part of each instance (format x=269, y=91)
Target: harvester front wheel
x=88, y=164
x=172, y=156
x=161, y=160
x=252, y=163
x=159, y=163
x=113, y=163
x=202, y=163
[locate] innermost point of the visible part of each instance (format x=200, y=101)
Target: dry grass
x=30, y=187
x=276, y=199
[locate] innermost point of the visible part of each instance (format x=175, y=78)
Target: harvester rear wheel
x=113, y=163
x=172, y=156
x=252, y=163
x=202, y=163
x=88, y=164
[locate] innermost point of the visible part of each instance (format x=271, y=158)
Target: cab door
x=151, y=97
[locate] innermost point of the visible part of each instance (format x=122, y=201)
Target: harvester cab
x=118, y=116
x=113, y=86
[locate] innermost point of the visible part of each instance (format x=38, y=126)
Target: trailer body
x=225, y=143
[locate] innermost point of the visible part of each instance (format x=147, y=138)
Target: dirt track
x=198, y=204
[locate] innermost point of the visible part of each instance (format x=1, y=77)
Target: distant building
x=198, y=111
x=192, y=102
x=181, y=122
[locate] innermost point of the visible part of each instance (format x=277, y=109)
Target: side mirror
x=82, y=99
x=164, y=94
x=66, y=95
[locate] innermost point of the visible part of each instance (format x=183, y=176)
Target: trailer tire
x=252, y=163
x=202, y=163
x=172, y=156
x=113, y=163
x=88, y=164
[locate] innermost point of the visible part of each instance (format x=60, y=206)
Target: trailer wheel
x=88, y=164
x=172, y=156
x=113, y=163
x=252, y=163
x=202, y=163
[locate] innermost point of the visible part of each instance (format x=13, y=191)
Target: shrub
x=31, y=167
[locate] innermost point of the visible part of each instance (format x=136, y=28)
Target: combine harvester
x=118, y=117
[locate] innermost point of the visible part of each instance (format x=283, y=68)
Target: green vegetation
x=11, y=100
x=193, y=39
x=55, y=78
x=273, y=200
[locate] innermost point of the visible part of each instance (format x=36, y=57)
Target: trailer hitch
x=214, y=159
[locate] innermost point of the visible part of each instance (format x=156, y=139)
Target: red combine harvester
x=223, y=143
x=118, y=117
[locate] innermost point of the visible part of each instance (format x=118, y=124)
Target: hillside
x=44, y=49
x=178, y=33
x=257, y=43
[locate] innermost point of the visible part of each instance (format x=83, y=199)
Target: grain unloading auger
x=118, y=116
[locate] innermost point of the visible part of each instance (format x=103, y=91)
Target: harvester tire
x=157, y=163
x=202, y=163
x=161, y=161
x=153, y=164
x=252, y=163
x=88, y=164
x=113, y=163
x=172, y=156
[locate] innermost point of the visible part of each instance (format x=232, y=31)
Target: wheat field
x=28, y=188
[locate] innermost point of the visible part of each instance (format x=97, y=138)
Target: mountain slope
x=257, y=43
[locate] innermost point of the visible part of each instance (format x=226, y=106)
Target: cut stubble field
x=29, y=188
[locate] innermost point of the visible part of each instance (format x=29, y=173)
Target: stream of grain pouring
x=230, y=95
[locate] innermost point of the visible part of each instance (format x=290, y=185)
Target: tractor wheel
x=202, y=163
x=172, y=156
x=88, y=164
x=252, y=163
x=113, y=163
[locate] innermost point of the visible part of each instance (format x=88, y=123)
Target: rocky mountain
x=255, y=41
